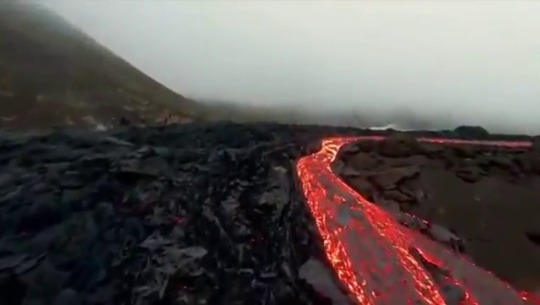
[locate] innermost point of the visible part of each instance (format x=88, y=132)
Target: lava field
x=223, y=213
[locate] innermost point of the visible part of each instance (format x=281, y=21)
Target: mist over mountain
x=168, y=200
x=441, y=63
x=52, y=74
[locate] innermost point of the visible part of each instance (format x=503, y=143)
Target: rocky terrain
x=488, y=197
x=171, y=215
x=212, y=213
x=190, y=214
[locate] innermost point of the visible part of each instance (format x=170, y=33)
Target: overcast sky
x=474, y=61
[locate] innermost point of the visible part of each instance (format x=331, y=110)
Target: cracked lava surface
x=378, y=260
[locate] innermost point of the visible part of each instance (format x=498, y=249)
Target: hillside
x=51, y=74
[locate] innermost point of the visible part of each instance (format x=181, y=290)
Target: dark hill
x=52, y=74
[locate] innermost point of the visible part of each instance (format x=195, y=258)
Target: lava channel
x=380, y=261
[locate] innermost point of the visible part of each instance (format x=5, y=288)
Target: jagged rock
x=398, y=196
x=350, y=149
x=465, y=151
x=399, y=144
x=175, y=215
x=361, y=162
x=200, y=213
x=348, y=171
x=470, y=174
x=432, y=150
x=388, y=179
x=495, y=224
x=154, y=167
x=362, y=146
x=362, y=185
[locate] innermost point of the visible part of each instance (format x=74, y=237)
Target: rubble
x=197, y=213
x=462, y=191
x=175, y=215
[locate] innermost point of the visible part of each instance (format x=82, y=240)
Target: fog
x=458, y=62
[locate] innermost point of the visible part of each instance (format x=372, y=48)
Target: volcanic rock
x=200, y=213
x=470, y=174
x=363, y=186
x=398, y=195
x=431, y=150
x=359, y=146
x=480, y=200
x=360, y=162
x=475, y=132
x=388, y=179
x=207, y=213
x=399, y=144
x=464, y=151
x=536, y=144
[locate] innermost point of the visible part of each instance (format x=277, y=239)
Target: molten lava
x=378, y=260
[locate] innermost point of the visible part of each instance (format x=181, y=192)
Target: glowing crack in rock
x=382, y=262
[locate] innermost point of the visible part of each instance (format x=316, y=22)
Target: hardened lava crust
x=481, y=198
x=184, y=214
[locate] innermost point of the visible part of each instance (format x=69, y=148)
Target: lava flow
x=380, y=261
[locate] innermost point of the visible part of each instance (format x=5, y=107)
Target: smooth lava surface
x=378, y=260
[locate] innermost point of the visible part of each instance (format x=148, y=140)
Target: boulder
x=399, y=145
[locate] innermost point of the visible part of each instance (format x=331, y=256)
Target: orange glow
x=378, y=260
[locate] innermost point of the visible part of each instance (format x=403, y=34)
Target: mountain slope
x=51, y=74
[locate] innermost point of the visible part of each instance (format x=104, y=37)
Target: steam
x=432, y=64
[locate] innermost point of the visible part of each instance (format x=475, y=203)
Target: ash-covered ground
x=186, y=214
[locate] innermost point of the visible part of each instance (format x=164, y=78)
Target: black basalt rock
x=475, y=132
x=170, y=215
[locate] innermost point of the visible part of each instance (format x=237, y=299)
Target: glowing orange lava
x=380, y=261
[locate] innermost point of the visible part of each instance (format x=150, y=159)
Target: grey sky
x=474, y=61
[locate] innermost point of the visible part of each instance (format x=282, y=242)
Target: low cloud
x=437, y=63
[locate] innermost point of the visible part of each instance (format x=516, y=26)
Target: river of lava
x=378, y=260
